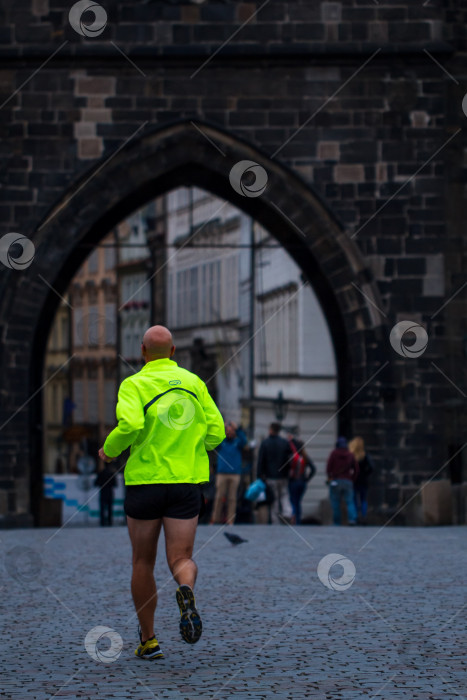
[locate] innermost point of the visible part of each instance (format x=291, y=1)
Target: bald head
x=157, y=343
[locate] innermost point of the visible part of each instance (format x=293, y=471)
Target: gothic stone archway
x=149, y=166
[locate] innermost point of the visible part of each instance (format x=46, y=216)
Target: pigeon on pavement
x=234, y=539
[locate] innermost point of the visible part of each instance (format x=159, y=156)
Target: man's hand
x=103, y=456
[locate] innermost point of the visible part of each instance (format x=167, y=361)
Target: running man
x=168, y=417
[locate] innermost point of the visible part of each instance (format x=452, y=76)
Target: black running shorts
x=153, y=501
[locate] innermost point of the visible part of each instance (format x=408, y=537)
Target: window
x=203, y=311
x=125, y=290
x=78, y=400
x=129, y=339
x=127, y=343
x=94, y=329
x=135, y=288
x=182, y=195
x=93, y=261
x=64, y=333
x=170, y=300
x=136, y=342
x=181, y=293
x=53, y=336
x=93, y=401
x=110, y=258
x=110, y=400
x=230, y=288
x=143, y=288
x=192, y=301
x=110, y=324
x=78, y=331
x=207, y=293
x=280, y=332
x=214, y=291
x=143, y=326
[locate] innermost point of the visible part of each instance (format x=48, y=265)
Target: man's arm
x=215, y=433
x=130, y=417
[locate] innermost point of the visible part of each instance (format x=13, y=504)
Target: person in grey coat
x=274, y=458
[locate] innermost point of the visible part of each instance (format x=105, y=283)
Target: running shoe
x=149, y=650
x=190, y=621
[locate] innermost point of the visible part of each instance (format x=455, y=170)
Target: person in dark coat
x=229, y=470
x=274, y=458
x=300, y=472
x=342, y=470
x=365, y=468
x=106, y=482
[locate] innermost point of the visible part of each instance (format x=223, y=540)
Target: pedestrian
x=365, y=468
x=275, y=455
x=247, y=466
x=229, y=470
x=301, y=471
x=168, y=417
x=342, y=470
x=262, y=506
x=208, y=491
x=106, y=481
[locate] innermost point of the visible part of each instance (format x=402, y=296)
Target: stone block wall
x=361, y=101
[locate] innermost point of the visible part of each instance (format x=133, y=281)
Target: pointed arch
x=148, y=166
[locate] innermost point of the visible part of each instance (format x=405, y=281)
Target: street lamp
x=280, y=407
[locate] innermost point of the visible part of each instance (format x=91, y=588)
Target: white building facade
x=253, y=351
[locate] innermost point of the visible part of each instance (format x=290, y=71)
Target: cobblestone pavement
x=272, y=629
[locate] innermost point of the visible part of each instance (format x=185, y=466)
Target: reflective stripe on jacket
x=168, y=417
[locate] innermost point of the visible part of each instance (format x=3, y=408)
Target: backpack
x=297, y=463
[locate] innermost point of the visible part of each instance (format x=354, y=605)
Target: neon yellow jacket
x=168, y=417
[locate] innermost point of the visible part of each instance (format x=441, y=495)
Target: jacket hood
x=341, y=454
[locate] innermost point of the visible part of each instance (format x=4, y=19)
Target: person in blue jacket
x=229, y=469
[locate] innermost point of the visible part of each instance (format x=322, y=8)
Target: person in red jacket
x=342, y=470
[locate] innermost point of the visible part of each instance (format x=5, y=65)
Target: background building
x=260, y=342
x=79, y=408
x=250, y=341
x=93, y=298
x=58, y=392
x=295, y=377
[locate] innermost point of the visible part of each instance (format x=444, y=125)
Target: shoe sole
x=191, y=626
x=156, y=655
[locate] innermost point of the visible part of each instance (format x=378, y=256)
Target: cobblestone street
x=271, y=627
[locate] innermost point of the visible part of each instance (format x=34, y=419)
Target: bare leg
x=144, y=535
x=221, y=491
x=179, y=541
x=273, y=483
x=233, y=484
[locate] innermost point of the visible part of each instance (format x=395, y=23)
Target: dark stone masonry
x=353, y=108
